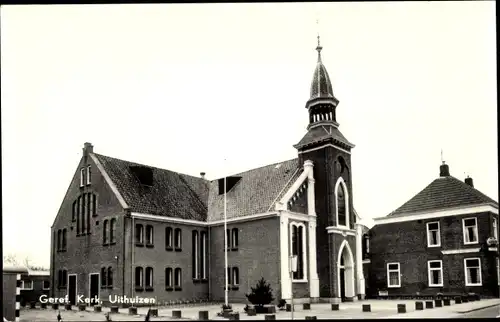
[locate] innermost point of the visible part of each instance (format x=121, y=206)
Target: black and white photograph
x=249, y=161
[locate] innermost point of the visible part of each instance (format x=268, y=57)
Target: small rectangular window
x=470, y=231
x=27, y=285
x=393, y=275
x=473, y=272
x=433, y=234
x=46, y=285
x=435, y=273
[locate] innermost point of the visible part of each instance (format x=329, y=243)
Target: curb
x=480, y=308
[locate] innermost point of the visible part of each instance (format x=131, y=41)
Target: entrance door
x=94, y=288
x=72, y=289
x=342, y=284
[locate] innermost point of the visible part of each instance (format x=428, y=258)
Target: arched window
x=178, y=278
x=64, y=239
x=234, y=238
x=341, y=195
x=149, y=235
x=169, y=277
x=149, y=277
x=228, y=238
x=236, y=276
x=105, y=232
x=195, y=241
x=94, y=205
x=112, y=231
x=110, y=277
x=298, y=243
x=65, y=277
x=139, y=273
x=82, y=214
x=78, y=223
x=178, y=238
x=88, y=203
x=103, y=277
x=59, y=240
x=73, y=212
x=169, y=238
x=203, y=250
x=139, y=234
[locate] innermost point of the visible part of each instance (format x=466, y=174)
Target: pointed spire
x=318, y=48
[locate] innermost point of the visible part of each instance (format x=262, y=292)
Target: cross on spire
x=318, y=48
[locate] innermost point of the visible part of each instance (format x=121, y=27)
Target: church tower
x=330, y=153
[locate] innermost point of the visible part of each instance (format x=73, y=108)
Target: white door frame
x=98, y=286
x=76, y=288
x=349, y=279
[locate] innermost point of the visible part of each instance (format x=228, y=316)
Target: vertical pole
x=291, y=286
x=225, y=245
x=18, y=295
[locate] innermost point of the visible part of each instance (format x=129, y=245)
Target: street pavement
x=490, y=312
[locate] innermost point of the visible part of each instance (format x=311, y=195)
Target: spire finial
x=318, y=48
x=442, y=160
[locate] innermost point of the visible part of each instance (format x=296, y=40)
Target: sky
x=221, y=89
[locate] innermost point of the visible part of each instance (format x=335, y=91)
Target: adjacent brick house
x=129, y=229
x=443, y=240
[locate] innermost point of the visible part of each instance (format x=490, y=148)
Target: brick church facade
x=129, y=229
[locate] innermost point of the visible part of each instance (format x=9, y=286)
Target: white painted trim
x=493, y=249
x=341, y=231
x=466, y=272
x=196, y=254
x=331, y=123
x=340, y=181
x=495, y=228
x=304, y=249
x=283, y=203
x=498, y=270
x=399, y=275
x=204, y=239
x=284, y=256
x=476, y=231
x=324, y=146
x=460, y=251
x=98, y=284
x=274, y=203
x=108, y=180
x=349, y=268
x=366, y=261
x=236, y=219
x=435, y=214
x=429, y=269
x=298, y=216
x=438, y=234
x=76, y=287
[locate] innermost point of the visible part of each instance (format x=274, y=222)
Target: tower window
x=342, y=204
x=89, y=172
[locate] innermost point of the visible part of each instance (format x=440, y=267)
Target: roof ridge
x=150, y=166
x=474, y=190
x=264, y=166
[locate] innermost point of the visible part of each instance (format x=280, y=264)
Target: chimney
x=202, y=175
x=444, y=170
x=88, y=148
x=469, y=181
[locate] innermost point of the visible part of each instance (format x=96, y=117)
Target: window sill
x=105, y=244
x=436, y=285
x=169, y=249
x=103, y=287
x=300, y=281
x=234, y=249
x=149, y=289
x=150, y=245
x=139, y=289
x=393, y=286
x=178, y=249
x=433, y=246
x=94, y=215
x=139, y=244
x=471, y=243
x=196, y=280
x=178, y=289
x=235, y=288
x=169, y=289
x=472, y=285
x=112, y=243
x=110, y=287
x=204, y=280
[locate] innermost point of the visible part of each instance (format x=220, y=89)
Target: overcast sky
x=183, y=87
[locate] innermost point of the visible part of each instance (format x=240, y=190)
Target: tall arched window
x=105, y=232
x=139, y=277
x=195, y=254
x=149, y=235
x=110, y=277
x=59, y=240
x=103, y=277
x=236, y=276
x=112, y=231
x=342, y=201
x=139, y=234
x=149, y=277
x=178, y=239
x=178, y=278
x=73, y=217
x=298, y=248
x=82, y=214
x=203, y=251
x=64, y=240
x=169, y=277
x=78, y=223
x=88, y=203
x=169, y=238
x=234, y=238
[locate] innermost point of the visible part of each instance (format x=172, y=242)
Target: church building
x=128, y=229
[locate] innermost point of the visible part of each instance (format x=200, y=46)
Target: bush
x=281, y=304
x=261, y=294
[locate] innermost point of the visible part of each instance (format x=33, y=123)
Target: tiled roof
x=442, y=193
x=321, y=133
x=172, y=194
x=254, y=193
x=187, y=197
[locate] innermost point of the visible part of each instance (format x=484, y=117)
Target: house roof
x=444, y=192
x=254, y=193
x=186, y=197
x=172, y=194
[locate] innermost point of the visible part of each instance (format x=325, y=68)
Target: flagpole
x=225, y=243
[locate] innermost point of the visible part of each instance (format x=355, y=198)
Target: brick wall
x=257, y=256
x=33, y=295
x=86, y=254
x=159, y=258
x=406, y=243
